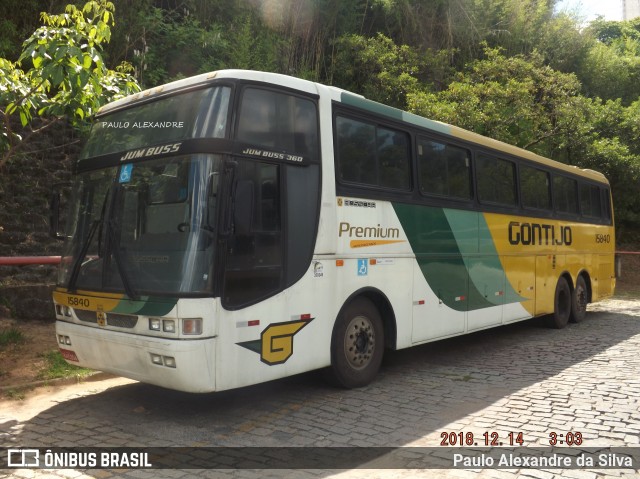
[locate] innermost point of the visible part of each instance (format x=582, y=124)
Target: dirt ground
x=21, y=364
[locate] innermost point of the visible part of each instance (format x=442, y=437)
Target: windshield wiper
x=75, y=272
x=115, y=249
x=77, y=266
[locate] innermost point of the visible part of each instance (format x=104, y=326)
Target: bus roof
x=354, y=100
x=205, y=78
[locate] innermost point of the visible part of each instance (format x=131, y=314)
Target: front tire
x=561, y=305
x=357, y=344
x=579, y=301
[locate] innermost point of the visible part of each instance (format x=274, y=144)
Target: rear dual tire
x=569, y=305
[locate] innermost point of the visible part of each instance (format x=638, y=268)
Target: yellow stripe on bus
x=366, y=243
x=84, y=300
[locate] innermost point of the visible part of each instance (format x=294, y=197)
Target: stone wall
x=26, y=185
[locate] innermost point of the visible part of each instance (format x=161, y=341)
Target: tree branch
x=551, y=134
x=16, y=147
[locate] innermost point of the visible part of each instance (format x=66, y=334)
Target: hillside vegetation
x=514, y=70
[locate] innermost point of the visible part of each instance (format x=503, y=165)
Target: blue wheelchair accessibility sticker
x=363, y=267
x=125, y=173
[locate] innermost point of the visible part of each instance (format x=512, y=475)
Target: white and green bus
x=237, y=227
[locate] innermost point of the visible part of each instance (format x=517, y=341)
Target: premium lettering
x=367, y=231
x=539, y=234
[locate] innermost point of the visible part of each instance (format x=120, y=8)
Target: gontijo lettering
x=539, y=234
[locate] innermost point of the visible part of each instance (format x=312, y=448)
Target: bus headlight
x=192, y=326
x=168, y=325
x=154, y=324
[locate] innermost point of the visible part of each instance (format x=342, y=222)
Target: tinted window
x=590, y=201
x=565, y=192
x=372, y=155
x=444, y=169
x=535, y=188
x=496, y=180
x=279, y=122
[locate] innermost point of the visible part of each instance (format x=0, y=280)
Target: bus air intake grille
x=121, y=320
x=113, y=319
x=86, y=316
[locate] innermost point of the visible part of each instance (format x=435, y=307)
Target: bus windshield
x=196, y=114
x=144, y=228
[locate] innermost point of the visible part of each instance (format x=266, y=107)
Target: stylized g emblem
x=275, y=345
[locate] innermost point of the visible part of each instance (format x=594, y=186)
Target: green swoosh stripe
x=456, y=255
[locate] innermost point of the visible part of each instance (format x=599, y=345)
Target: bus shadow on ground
x=497, y=377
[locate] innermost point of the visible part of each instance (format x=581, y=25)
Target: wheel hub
x=581, y=295
x=359, y=342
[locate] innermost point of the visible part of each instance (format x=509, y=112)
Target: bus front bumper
x=183, y=365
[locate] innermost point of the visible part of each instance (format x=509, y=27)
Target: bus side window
x=280, y=121
x=565, y=193
x=590, y=204
x=372, y=155
x=535, y=187
x=356, y=151
x=496, y=180
x=445, y=170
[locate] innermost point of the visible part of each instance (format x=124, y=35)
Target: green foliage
x=562, y=43
x=10, y=336
x=251, y=51
x=64, y=72
x=610, y=68
x=376, y=67
x=382, y=70
x=517, y=100
x=57, y=367
x=510, y=69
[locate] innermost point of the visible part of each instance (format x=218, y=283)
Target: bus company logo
x=539, y=234
x=372, y=235
x=152, y=151
x=101, y=318
x=275, y=345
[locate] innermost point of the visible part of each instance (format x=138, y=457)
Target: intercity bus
x=238, y=227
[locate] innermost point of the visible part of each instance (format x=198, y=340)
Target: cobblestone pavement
x=519, y=378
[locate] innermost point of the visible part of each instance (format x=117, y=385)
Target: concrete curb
x=94, y=377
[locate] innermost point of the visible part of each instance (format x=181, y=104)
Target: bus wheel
x=357, y=344
x=579, y=301
x=561, y=305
